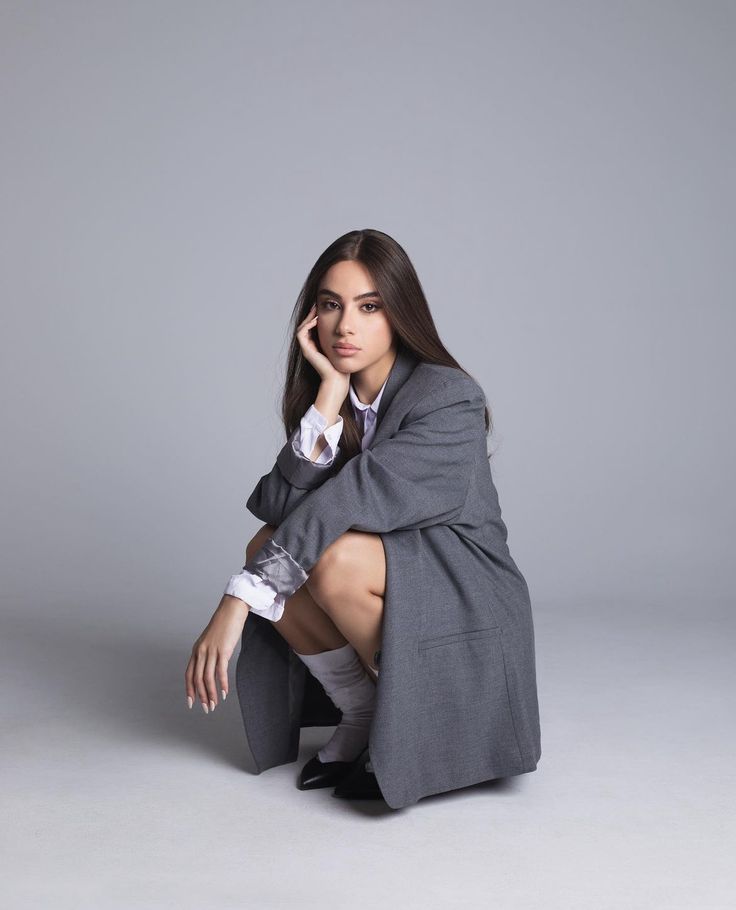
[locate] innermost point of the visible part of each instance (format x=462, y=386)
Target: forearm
x=328, y=402
x=297, y=472
x=319, y=447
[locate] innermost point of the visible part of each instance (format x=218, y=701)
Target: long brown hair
x=407, y=311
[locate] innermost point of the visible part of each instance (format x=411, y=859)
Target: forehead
x=348, y=279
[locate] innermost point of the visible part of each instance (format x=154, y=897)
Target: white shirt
x=248, y=586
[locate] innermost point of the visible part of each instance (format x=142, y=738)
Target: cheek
x=324, y=335
x=381, y=331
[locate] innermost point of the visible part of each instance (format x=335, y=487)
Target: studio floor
x=116, y=796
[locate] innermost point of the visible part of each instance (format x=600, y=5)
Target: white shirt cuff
x=311, y=426
x=258, y=594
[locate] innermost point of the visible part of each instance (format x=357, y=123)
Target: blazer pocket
x=437, y=640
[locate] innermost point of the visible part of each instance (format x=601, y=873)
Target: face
x=349, y=310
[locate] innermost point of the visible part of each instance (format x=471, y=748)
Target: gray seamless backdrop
x=562, y=176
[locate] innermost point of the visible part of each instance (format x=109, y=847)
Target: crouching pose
x=379, y=595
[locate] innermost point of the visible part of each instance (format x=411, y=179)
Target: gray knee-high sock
x=345, y=680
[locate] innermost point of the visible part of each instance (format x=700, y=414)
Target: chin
x=348, y=363
x=342, y=366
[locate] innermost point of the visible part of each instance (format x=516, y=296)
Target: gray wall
x=560, y=174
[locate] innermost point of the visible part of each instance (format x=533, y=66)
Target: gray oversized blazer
x=456, y=700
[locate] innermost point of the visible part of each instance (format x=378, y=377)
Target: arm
x=255, y=591
x=415, y=478
x=295, y=473
x=290, y=482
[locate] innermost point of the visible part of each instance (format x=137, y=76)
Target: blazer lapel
x=402, y=368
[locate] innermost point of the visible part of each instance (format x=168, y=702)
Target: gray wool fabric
x=456, y=699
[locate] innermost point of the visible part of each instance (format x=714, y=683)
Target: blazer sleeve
x=294, y=474
x=418, y=477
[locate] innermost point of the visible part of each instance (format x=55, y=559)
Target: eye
x=327, y=305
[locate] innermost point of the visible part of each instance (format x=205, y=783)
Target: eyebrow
x=359, y=297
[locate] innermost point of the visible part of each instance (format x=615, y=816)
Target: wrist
x=236, y=604
x=329, y=400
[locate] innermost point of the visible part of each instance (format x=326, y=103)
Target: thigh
x=371, y=564
x=356, y=559
x=304, y=625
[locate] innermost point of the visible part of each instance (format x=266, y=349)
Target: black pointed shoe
x=316, y=774
x=359, y=783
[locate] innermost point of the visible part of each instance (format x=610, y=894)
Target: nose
x=343, y=327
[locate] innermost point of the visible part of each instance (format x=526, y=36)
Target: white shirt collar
x=373, y=406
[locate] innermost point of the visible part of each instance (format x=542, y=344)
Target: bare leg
x=341, y=601
x=306, y=627
x=349, y=583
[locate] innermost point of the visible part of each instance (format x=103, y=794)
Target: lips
x=345, y=347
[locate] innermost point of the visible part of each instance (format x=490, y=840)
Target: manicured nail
x=205, y=708
x=190, y=701
x=224, y=695
x=212, y=705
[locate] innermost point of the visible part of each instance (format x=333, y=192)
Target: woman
x=388, y=549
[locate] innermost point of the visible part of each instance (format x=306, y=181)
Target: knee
x=258, y=539
x=331, y=573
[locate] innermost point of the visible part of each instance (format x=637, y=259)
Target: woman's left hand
x=212, y=651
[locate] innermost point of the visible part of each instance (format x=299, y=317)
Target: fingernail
x=212, y=705
x=190, y=701
x=224, y=695
x=205, y=708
